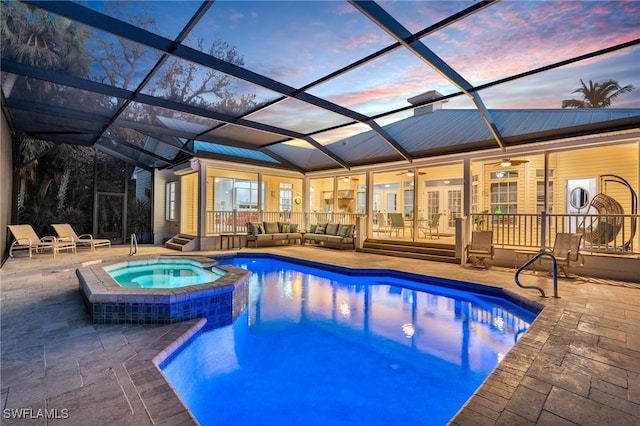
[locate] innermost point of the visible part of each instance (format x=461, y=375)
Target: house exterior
x=552, y=181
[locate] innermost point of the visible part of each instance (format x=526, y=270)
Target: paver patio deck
x=579, y=362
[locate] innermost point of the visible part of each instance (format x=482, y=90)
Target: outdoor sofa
x=272, y=233
x=334, y=235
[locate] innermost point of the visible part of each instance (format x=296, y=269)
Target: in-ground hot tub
x=220, y=296
x=163, y=273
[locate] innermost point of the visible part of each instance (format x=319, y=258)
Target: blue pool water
x=323, y=348
x=163, y=273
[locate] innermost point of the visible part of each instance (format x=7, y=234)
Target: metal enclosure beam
x=396, y=30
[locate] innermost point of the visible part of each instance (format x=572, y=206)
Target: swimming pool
x=323, y=347
x=162, y=273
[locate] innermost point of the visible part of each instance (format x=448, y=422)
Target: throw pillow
x=256, y=228
x=345, y=230
x=293, y=227
x=320, y=229
x=312, y=229
x=285, y=228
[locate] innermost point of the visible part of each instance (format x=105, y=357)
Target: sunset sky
x=297, y=43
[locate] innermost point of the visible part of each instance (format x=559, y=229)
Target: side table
x=230, y=240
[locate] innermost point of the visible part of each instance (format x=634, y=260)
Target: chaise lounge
x=66, y=233
x=27, y=239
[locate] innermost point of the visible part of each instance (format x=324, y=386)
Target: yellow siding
x=621, y=160
x=162, y=229
x=189, y=204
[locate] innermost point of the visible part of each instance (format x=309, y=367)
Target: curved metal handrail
x=133, y=246
x=555, y=273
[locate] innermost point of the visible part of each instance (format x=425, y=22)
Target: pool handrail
x=133, y=245
x=554, y=270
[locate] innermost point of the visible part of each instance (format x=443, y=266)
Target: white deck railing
x=615, y=234
x=612, y=233
x=234, y=222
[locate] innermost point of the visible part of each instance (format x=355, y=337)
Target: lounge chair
x=27, y=239
x=430, y=225
x=481, y=247
x=66, y=233
x=566, y=249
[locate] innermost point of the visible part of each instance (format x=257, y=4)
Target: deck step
x=410, y=255
x=449, y=251
x=179, y=242
x=173, y=246
x=433, y=251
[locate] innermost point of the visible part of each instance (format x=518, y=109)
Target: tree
x=30, y=151
x=34, y=37
x=597, y=95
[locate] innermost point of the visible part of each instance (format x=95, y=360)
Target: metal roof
x=313, y=85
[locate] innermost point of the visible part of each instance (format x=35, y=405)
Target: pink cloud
x=511, y=40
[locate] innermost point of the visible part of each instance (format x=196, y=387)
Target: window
x=474, y=194
x=170, y=206
x=509, y=174
x=286, y=197
x=504, y=197
x=361, y=199
x=408, y=202
x=540, y=191
x=540, y=196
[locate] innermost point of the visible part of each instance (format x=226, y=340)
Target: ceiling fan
x=507, y=162
x=410, y=173
x=349, y=178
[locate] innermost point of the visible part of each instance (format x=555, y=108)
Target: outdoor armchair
x=566, y=250
x=481, y=248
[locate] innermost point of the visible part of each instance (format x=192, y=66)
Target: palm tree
x=597, y=95
x=34, y=37
x=30, y=151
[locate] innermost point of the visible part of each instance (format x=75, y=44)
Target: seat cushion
x=332, y=229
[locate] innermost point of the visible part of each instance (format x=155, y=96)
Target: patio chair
x=27, y=239
x=430, y=225
x=381, y=224
x=481, y=247
x=66, y=233
x=566, y=249
x=397, y=223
